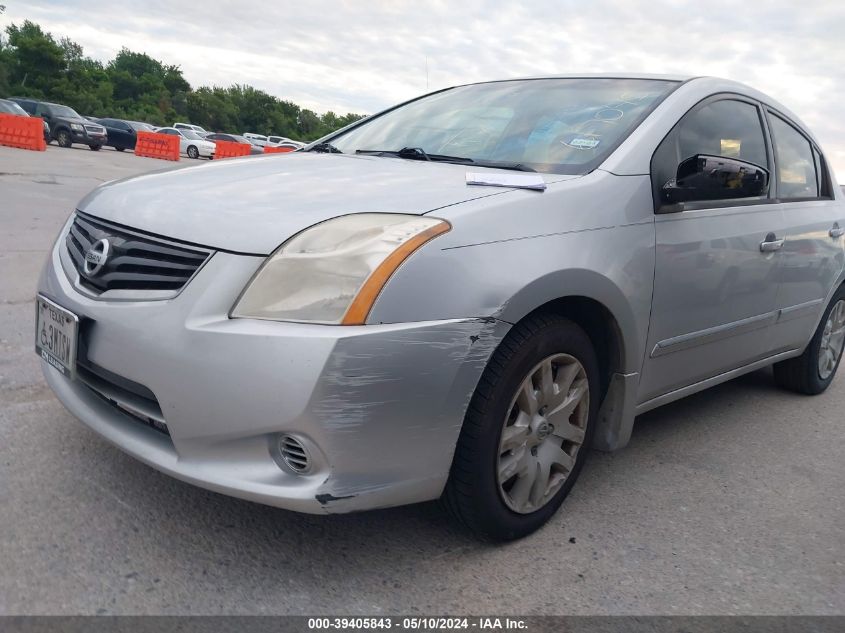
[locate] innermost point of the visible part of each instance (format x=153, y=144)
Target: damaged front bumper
x=378, y=406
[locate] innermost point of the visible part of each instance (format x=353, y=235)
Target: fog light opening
x=294, y=454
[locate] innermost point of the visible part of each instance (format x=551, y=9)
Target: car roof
x=701, y=81
x=664, y=77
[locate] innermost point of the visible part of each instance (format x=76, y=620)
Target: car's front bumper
x=380, y=406
x=87, y=138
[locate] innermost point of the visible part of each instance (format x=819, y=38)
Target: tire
x=63, y=138
x=193, y=152
x=478, y=493
x=806, y=374
x=120, y=149
x=95, y=148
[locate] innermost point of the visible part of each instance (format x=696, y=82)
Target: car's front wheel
x=527, y=430
x=193, y=152
x=120, y=149
x=813, y=371
x=63, y=138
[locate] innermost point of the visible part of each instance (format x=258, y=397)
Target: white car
x=190, y=143
x=190, y=126
x=255, y=139
x=283, y=141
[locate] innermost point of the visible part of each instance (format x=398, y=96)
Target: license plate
x=56, y=332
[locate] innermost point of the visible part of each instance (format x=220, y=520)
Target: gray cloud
x=364, y=56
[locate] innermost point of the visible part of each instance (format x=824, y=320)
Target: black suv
x=66, y=126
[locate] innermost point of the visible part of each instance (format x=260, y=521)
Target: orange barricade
x=277, y=150
x=230, y=149
x=154, y=145
x=25, y=132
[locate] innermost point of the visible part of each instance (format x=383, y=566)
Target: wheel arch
x=601, y=308
x=591, y=300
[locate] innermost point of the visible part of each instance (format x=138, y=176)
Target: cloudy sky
x=360, y=56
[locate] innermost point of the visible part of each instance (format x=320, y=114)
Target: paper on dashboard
x=514, y=180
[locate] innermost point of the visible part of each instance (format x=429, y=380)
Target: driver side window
x=716, y=152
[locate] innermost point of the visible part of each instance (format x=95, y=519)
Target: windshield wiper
x=416, y=153
x=325, y=148
x=503, y=165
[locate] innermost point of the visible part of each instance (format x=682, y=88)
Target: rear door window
x=797, y=173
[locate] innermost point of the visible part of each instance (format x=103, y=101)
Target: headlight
x=333, y=272
x=76, y=126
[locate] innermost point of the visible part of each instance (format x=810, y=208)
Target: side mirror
x=705, y=177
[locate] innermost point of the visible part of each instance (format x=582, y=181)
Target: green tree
x=136, y=86
x=38, y=60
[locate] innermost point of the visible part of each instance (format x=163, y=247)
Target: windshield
x=61, y=110
x=191, y=135
x=563, y=126
x=140, y=127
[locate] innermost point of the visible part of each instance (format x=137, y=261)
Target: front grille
x=95, y=129
x=121, y=259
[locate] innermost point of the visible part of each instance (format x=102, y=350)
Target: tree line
x=136, y=87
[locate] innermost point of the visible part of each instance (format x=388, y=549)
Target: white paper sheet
x=517, y=180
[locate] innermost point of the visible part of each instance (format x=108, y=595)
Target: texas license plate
x=56, y=331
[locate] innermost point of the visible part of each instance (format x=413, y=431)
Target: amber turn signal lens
x=360, y=307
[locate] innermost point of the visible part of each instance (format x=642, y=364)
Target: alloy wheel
x=832, y=340
x=544, y=429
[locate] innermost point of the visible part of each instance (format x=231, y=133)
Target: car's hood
x=252, y=206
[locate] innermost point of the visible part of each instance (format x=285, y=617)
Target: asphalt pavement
x=731, y=501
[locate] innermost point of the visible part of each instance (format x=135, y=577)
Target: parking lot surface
x=729, y=502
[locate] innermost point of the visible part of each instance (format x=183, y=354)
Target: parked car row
x=67, y=127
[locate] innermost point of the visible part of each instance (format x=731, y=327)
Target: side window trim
x=660, y=209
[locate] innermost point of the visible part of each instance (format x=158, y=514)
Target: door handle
x=835, y=231
x=770, y=244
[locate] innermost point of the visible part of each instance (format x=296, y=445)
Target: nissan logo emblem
x=96, y=257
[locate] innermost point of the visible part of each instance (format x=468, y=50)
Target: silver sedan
x=455, y=298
